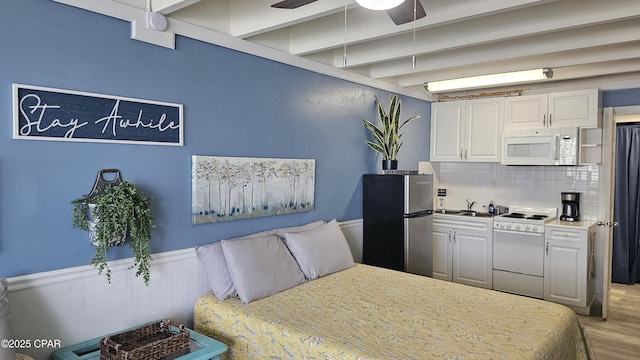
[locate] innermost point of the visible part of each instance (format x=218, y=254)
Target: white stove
x=518, y=250
x=525, y=218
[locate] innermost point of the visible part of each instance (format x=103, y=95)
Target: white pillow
x=294, y=229
x=261, y=267
x=321, y=251
x=5, y=321
x=212, y=259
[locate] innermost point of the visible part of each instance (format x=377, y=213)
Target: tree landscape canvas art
x=231, y=188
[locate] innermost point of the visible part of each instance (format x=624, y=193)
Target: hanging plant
x=118, y=213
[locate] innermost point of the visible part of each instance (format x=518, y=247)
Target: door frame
x=611, y=117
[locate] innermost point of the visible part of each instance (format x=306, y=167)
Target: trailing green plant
x=121, y=212
x=387, y=137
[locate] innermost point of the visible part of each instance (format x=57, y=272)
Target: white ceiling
x=576, y=38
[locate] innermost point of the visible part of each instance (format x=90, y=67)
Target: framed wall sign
x=42, y=113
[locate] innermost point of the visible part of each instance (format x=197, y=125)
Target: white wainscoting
x=353, y=232
x=76, y=304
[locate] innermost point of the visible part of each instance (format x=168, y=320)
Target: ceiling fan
x=400, y=14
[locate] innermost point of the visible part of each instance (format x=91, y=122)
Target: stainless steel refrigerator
x=398, y=222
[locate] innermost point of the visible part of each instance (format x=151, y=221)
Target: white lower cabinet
x=462, y=249
x=569, y=265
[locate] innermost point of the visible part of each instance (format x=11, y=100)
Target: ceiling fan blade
x=292, y=4
x=403, y=13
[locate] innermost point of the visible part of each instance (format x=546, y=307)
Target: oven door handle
x=516, y=232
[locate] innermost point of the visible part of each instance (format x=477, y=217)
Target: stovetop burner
x=537, y=217
x=525, y=219
x=523, y=216
x=514, y=215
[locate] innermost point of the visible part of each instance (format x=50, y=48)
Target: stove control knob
x=502, y=225
x=526, y=227
x=534, y=228
x=508, y=226
x=518, y=226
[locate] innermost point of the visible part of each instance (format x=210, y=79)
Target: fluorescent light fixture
x=481, y=81
x=379, y=4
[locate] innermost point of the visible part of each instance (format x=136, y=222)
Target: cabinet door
x=472, y=258
x=574, y=108
x=447, y=131
x=484, y=130
x=442, y=253
x=525, y=112
x=565, y=272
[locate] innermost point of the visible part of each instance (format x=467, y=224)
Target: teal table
x=202, y=348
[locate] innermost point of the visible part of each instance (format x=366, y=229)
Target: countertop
x=556, y=222
x=572, y=224
x=461, y=217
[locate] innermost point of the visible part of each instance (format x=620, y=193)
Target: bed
x=366, y=312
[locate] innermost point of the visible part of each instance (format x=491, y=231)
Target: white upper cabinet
x=468, y=130
x=447, y=131
x=581, y=108
x=525, y=112
x=484, y=126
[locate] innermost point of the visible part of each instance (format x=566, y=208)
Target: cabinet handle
x=465, y=155
x=461, y=158
x=546, y=248
x=544, y=120
x=549, y=120
x=454, y=236
x=449, y=236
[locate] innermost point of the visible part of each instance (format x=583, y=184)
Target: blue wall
x=235, y=104
x=623, y=97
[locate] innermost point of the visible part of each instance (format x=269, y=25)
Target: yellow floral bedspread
x=367, y=312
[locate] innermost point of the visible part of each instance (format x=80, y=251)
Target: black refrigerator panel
x=383, y=229
x=397, y=222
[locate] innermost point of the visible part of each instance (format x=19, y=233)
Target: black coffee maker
x=570, y=206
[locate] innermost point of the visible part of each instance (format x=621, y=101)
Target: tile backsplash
x=514, y=185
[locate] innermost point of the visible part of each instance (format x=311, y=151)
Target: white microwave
x=540, y=147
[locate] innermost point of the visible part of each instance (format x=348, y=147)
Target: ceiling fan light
x=474, y=82
x=379, y=4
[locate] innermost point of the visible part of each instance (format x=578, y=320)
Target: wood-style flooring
x=617, y=338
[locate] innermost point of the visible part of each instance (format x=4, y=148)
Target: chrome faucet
x=469, y=204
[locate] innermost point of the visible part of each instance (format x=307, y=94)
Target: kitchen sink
x=476, y=214
x=446, y=211
x=464, y=213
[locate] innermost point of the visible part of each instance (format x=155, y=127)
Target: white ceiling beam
x=456, y=38
x=624, y=52
x=583, y=38
x=363, y=24
x=168, y=6
x=211, y=15
x=250, y=17
x=483, y=31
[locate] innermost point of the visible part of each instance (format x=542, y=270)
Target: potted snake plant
x=387, y=138
x=112, y=215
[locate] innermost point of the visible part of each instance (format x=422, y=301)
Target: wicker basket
x=150, y=342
